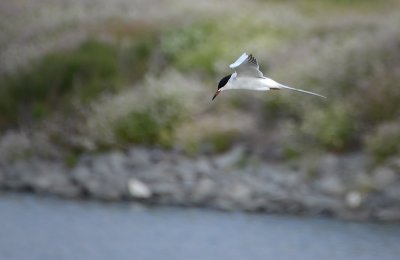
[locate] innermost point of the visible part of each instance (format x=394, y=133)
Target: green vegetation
x=139, y=127
x=56, y=79
x=384, y=141
x=315, y=6
x=222, y=141
x=135, y=59
x=153, y=125
x=351, y=55
x=218, y=142
x=71, y=159
x=332, y=127
x=196, y=46
x=79, y=74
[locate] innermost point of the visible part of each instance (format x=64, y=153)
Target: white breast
x=251, y=83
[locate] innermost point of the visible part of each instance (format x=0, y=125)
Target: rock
x=13, y=145
x=13, y=174
x=171, y=178
x=106, y=179
x=203, y=166
x=139, y=157
x=329, y=165
x=229, y=159
x=237, y=194
x=138, y=189
x=204, y=190
x=157, y=155
x=388, y=214
x=344, y=166
x=280, y=176
x=162, y=172
x=330, y=185
x=354, y=199
x=394, y=163
x=52, y=178
x=383, y=176
x=115, y=162
x=392, y=191
x=319, y=202
x=40, y=176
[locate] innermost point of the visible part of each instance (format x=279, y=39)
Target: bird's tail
x=302, y=91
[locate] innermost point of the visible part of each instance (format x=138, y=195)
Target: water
x=46, y=228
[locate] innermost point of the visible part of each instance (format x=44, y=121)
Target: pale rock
x=138, y=189
x=354, y=199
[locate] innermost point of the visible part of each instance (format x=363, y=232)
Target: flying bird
x=247, y=75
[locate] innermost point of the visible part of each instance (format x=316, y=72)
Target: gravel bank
x=232, y=181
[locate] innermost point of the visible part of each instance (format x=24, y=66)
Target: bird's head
x=221, y=84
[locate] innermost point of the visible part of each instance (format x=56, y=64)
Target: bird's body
x=250, y=83
x=248, y=76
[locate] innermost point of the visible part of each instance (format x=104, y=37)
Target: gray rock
x=392, y=191
x=53, y=178
x=13, y=145
x=388, y=214
x=284, y=178
x=229, y=159
x=139, y=157
x=106, y=179
x=204, y=190
x=203, y=166
x=319, y=201
x=171, y=178
x=237, y=195
x=394, y=163
x=330, y=185
x=383, y=176
x=116, y=162
x=40, y=176
x=344, y=166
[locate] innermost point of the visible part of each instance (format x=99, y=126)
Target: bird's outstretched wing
x=246, y=66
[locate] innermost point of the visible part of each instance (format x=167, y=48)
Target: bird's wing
x=247, y=66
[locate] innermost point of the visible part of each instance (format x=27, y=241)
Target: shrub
x=83, y=72
x=135, y=58
x=333, y=127
x=138, y=127
x=200, y=45
x=384, y=141
x=181, y=46
x=153, y=125
x=222, y=141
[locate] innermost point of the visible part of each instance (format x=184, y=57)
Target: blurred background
x=111, y=100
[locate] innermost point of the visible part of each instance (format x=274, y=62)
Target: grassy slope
x=145, y=84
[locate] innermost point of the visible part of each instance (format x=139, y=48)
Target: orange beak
x=216, y=94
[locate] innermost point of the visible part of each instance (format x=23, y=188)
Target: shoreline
x=156, y=177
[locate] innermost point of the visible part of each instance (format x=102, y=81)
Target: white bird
x=248, y=76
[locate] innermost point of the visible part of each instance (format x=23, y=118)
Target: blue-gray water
x=45, y=228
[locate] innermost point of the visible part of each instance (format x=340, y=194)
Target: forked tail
x=302, y=91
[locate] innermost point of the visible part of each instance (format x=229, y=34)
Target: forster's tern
x=248, y=76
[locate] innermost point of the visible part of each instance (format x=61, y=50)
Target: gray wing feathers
x=246, y=65
x=239, y=61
